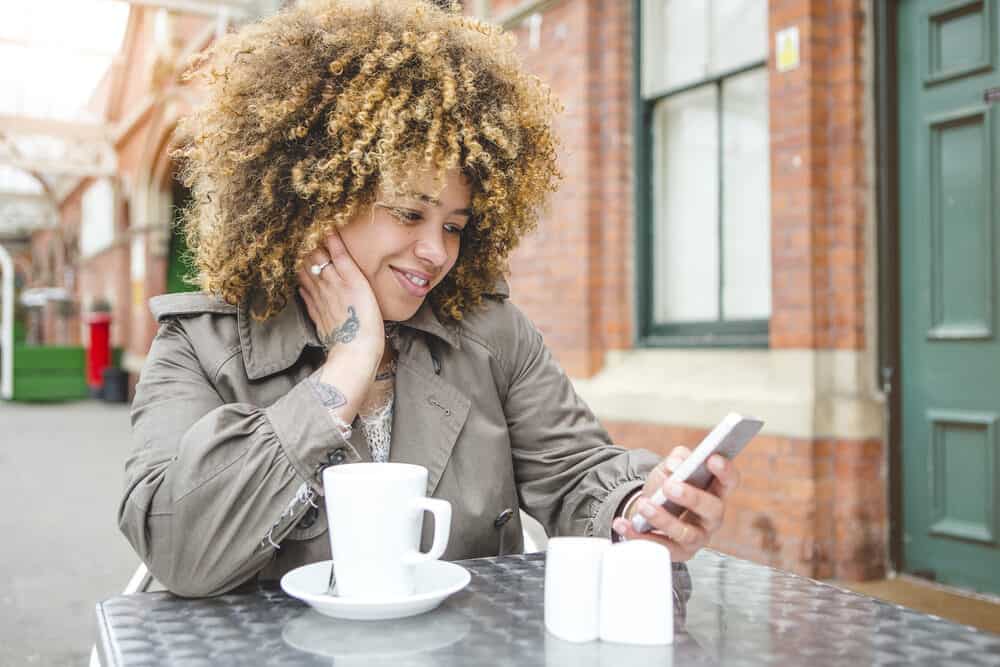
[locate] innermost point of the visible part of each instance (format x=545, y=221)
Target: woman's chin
x=399, y=312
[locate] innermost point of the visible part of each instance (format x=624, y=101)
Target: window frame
x=649, y=333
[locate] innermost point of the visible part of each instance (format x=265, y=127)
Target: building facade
x=776, y=207
x=713, y=249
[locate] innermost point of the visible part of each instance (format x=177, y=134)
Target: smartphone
x=727, y=439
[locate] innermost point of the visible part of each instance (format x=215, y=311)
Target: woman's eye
x=453, y=229
x=405, y=215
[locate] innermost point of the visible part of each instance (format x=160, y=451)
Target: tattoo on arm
x=331, y=397
x=345, y=333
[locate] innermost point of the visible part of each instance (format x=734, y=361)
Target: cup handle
x=441, y=509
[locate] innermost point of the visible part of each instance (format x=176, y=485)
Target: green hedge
x=52, y=373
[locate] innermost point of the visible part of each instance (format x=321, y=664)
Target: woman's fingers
x=704, y=508
x=306, y=279
x=305, y=274
x=342, y=260
x=679, y=453
x=314, y=288
x=705, y=505
x=311, y=308
x=727, y=476
x=679, y=552
x=665, y=468
x=673, y=461
x=318, y=258
x=664, y=522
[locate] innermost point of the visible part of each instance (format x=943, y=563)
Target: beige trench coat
x=230, y=441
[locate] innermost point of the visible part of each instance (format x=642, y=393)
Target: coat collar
x=277, y=343
x=427, y=321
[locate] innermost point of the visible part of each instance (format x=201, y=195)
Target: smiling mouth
x=416, y=280
x=416, y=286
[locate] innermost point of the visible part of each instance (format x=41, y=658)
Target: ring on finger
x=317, y=269
x=684, y=533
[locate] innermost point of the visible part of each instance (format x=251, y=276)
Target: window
x=703, y=173
x=97, y=225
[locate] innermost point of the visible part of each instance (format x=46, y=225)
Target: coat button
x=333, y=458
x=309, y=518
x=503, y=518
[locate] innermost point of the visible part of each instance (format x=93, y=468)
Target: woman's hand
x=686, y=534
x=342, y=305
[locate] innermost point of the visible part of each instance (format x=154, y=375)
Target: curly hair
x=310, y=111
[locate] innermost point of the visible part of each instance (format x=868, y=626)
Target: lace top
x=377, y=427
x=376, y=413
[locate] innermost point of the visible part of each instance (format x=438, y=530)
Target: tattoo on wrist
x=345, y=333
x=331, y=397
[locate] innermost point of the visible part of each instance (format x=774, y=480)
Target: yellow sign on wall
x=787, y=49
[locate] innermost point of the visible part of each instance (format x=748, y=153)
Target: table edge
x=105, y=652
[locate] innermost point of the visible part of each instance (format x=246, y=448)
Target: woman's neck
x=388, y=356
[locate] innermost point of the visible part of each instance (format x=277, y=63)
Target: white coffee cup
x=573, y=587
x=637, y=604
x=375, y=513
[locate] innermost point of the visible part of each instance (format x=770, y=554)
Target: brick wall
x=102, y=276
x=99, y=276
x=611, y=195
x=574, y=276
x=818, y=178
x=815, y=505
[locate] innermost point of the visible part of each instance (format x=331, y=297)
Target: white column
x=7, y=326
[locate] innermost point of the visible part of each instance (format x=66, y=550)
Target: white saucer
x=436, y=580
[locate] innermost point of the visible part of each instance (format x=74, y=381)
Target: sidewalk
x=978, y=611
x=60, y=482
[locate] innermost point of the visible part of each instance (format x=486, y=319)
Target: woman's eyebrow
x=437, y=202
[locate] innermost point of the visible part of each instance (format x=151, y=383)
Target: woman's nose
x=431, y=248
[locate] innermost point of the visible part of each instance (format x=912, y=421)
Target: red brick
x=814, y=517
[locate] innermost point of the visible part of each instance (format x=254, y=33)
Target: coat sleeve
x=212, y=487
x=569, y=475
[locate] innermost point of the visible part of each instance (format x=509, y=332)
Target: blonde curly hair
x=311, y=111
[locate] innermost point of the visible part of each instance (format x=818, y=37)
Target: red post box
x=98, y=351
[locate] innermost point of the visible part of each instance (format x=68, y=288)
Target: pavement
x=60, y=551
x=965, y=608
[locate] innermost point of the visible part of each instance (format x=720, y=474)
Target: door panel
x=961, y=254
x=950, y=353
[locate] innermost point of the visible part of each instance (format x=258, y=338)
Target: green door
x=949, y=187
x=179, y=261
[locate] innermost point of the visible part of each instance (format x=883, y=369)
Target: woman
x=361, y=172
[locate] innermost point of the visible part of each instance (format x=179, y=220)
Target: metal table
x=739, y=613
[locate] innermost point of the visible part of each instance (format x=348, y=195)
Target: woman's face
x=405, y=245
